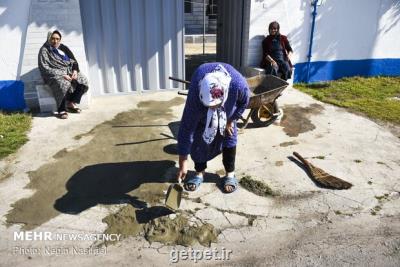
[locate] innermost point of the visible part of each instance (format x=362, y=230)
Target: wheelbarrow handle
x=182, y=92
x=179, y=80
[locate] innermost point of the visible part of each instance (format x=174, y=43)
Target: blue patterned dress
x=190, y=140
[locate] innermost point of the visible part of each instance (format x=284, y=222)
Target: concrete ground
x=302, y=224
x=195, y=49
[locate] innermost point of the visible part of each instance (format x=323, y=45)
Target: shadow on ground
x=122, y=162
x=110, y=183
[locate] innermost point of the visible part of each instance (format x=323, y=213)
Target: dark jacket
x=267, y=49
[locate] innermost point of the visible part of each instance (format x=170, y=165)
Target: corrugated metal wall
x=233, y=31
x=133, y=45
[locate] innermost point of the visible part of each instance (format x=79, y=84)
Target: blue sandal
x=232, y=181
x=194, y=180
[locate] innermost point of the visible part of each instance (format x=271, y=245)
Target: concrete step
x=47, y=103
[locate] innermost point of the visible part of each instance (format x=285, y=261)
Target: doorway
x=221, y=33
x=200, y=33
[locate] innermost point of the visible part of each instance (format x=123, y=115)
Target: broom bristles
x=323, y=178
x=327, y=179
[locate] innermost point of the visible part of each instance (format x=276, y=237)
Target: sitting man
x=60, y=71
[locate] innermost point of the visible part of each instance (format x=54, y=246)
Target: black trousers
x=284, y=70
x=228, y=159
x=72, y=97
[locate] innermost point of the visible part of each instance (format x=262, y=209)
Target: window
x=188, y=6
x=212, y=9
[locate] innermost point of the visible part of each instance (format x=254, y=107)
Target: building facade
x=349, y=37
x=122, y=46
x=131, y=46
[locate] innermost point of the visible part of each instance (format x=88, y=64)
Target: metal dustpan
x=174, y=196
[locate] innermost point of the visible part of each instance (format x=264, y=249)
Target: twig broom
x=321, y=177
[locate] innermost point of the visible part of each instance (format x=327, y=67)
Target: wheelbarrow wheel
x=265, y=114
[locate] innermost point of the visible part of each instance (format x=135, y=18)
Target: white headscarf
x=214, y=88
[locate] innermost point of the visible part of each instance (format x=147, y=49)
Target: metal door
x=133, y=45
x=233, y=31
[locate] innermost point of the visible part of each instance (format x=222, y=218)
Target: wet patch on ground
x=80, y=136
x=60, y=153
x=124, y=157
x=296, y=119
x=5, y=168
x=257, y=187
x=279, y=163
x=123, y=222
x=4, y=175
x=286, y=144
x=180, y=230
x=159, y=224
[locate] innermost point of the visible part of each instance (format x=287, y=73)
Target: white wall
x=291, y=15
x=13, y=23
x=356, y=29
x=387, y=43
x=346, y=30
x=45, y=16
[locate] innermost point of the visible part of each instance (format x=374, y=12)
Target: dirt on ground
x=296, y=119
x=118, y=165
x=112, y=177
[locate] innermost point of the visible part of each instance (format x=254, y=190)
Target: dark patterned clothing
x=53, y=67
x=278, y=48
x=276, y=51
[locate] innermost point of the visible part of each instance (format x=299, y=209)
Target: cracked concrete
x=303, y=225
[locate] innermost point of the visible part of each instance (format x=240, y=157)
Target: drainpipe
x=314, y=14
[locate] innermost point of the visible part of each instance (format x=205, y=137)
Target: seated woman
x=60, y=71
x=276, y=53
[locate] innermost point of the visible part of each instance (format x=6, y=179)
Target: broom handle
x=305, y=162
